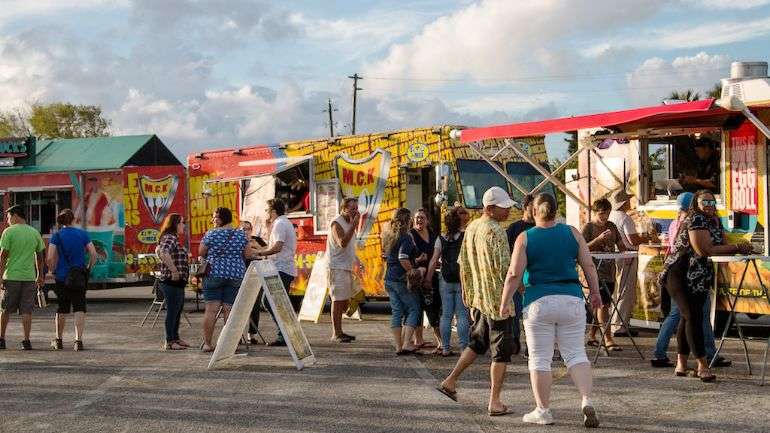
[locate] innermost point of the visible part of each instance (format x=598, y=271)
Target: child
x=603, y=236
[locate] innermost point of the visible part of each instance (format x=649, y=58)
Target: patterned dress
x=699, y=273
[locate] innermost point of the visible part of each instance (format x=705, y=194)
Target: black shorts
x=606, y=289
x=493, y=335
x=70, y=299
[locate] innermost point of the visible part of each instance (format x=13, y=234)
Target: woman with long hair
x=225, y=249
x=424, y=240
x=174, y=271
x=554, y=309
x=447, y=251
x=688, y=276
x=397, y=247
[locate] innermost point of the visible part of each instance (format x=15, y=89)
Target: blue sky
x=205, y=74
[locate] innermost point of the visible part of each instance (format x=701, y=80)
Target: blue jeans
x=669, y=325
x=403, y=302
x=224, y=290
x=174, y=303
x=452, y=305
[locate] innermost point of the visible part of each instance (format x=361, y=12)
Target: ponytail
x=545, y=206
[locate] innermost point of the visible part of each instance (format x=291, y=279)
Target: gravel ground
x=125, y=383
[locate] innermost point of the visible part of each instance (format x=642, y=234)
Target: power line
x=330, y=110
x=535, y=78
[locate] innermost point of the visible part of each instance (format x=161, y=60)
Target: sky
x=204, y=74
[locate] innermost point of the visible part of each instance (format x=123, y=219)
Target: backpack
x=450, y=251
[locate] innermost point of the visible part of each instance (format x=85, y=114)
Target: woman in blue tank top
x=554, y=309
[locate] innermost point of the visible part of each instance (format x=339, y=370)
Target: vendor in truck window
x=707, y=168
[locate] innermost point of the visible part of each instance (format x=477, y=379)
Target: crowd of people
x=484, y=278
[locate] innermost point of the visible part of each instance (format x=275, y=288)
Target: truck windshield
x=526, y=176
x=475, y=178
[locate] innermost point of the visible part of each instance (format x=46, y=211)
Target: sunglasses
x=708, y=202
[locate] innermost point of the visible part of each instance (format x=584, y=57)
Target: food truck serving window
x=682, y=163
x=476, y=177
x=42, y=207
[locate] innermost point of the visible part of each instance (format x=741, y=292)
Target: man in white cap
x=484, y=260
x=621, y=204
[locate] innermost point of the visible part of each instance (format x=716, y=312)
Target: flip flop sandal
x=451, y=394
x=503, y=412
x=593, y=343
x=614, y=348
x=426, y=345
x=687, y=373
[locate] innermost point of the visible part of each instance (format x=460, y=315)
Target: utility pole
x=355, y=77
x=331, y=120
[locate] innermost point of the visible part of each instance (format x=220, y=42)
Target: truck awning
x=696, y=113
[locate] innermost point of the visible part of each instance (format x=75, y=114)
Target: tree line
x=55, y=120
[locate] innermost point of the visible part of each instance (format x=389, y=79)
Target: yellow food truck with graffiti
x=415, y=168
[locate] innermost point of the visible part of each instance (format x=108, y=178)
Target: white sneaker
x=539, y=416
x=590, y=419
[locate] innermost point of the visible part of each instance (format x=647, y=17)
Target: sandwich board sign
x=262, y=275
x=317, y=290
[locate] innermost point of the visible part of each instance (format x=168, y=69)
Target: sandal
x=708, y=379
x=593, y=342
x=447, y=392
x=437, y=351
x=206, y=348
x=182, y=343
x=504, y=411
x=687, y=373
x=173, y=345
x=426, y=345
x=614, y=347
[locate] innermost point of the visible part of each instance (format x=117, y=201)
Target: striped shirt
x=484, y=261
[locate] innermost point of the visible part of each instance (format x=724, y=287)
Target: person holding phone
x=341, y=248
x=602, y=235
x=281, y=249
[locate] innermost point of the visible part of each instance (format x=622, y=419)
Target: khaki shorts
x=340, y=284
x=18, y=296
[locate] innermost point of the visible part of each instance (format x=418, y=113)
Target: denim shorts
x=222, y=290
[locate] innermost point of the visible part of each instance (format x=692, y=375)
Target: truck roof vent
x=748, y=82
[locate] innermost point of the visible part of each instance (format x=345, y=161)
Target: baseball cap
x=497, y=196
x=684, y=199
x=619, y=198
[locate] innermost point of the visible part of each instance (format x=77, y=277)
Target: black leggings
x=689, y=334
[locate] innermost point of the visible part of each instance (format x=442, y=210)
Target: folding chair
x=159, y=302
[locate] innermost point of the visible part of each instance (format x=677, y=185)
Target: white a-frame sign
x=262, y=275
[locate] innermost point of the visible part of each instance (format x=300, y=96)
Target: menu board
x=262, y=275
x=326, y=205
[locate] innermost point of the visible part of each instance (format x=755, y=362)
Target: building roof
x=97, y=153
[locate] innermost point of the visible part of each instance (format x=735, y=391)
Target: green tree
x=56, y=120
x=687, y=95
x=715, y=92
x=65, y=120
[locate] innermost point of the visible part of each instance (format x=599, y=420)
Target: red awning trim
x=658, y=113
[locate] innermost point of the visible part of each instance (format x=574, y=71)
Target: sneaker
x=56, y=344
x=2, y=343
x=590, y=420
x=350, y=337
x=539, y=416
x=26, y=345
x=78, y=346
x=341, y=339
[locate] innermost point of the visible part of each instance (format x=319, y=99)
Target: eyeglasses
x=708, y=202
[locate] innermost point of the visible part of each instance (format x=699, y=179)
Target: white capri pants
x=560, y=319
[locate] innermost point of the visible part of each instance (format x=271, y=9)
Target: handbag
x=77, y=276
x=204, y=266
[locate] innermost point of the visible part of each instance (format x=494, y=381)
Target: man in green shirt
x=21, y=267
x=484, y=261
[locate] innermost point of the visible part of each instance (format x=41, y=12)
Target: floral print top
x=700, y=274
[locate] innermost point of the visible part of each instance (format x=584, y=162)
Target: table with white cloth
x=624, y=258
x=732, y=301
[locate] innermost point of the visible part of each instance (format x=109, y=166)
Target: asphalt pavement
x=123, y=382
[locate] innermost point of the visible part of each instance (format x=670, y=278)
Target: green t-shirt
x=21, y=242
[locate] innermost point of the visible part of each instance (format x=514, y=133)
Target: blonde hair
x=399, y=225
x=545, y=206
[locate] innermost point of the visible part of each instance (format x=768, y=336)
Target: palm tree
x=715, y=92
x=688, y=95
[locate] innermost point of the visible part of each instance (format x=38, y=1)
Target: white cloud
x=16, y=9
x=499, y=38
x=655, y=78
x=728, y=4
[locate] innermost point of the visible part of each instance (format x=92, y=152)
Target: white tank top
x=339, y=257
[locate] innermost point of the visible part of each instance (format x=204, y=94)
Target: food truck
x=120, y=189
x=415, y=168
x=651, y=153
